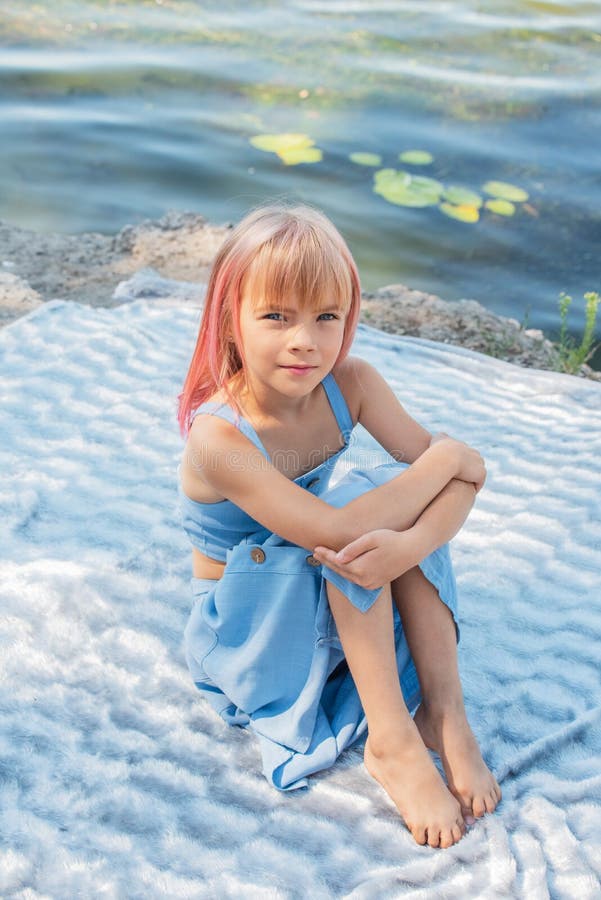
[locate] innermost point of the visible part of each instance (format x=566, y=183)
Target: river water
x=112, y=112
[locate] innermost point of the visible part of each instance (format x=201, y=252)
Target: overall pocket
x=263, y=613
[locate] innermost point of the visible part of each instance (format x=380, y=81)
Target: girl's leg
x=440, y=521
x=430, y=634
x=395, y=753
x=441, y=718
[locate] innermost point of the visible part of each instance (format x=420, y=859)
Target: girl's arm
x=222, y=457
x=382, y=555
x=381, y=414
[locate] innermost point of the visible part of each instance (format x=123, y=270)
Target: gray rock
x=170, y=258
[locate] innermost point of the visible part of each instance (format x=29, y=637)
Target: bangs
x=299, y=267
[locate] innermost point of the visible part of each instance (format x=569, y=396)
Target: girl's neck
x=271, y=408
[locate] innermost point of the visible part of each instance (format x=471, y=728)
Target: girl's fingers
x=324, y=554
x=329, y=558
x=355, y=549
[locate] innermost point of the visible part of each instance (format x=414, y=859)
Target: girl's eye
x=279, y=317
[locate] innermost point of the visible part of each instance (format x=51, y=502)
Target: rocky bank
x=36, y=267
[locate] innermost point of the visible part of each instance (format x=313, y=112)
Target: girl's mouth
x=299, y=370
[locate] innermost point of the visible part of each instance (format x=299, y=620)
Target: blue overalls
x=261, y=643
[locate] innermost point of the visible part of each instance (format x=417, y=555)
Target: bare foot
x=448, y=733
x=404, y=769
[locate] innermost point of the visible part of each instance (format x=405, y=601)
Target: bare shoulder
x=209, y=438
x=354, y=377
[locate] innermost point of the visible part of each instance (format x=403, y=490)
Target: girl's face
x=288, y=348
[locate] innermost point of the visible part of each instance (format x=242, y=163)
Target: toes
x=446, y=840
x=473, y=808
x=478, y=807
x=419, y=834
x=467, y=812
x=458, y=831
x=433, y=837
x=490, y=801
x=437, y=837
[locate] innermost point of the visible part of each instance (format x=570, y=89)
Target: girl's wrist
x=413, y=546
x=447, y=454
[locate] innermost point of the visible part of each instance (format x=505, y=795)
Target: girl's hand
x=471, y=465
x=371, y=560
x=439, y=436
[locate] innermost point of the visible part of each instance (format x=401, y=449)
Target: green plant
x=526, y=320
x=571, y=357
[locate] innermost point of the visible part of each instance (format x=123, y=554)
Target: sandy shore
x=36, y=267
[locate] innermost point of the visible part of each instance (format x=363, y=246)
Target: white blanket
x=118, y=782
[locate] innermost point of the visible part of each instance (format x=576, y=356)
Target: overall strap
x=339, y=405
x=221, y=409
x=334, y=395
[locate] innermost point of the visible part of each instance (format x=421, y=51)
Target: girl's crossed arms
x=375, y=537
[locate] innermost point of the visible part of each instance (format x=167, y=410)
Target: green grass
x=571, y=356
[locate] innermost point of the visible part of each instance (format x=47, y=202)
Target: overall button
x=312, y=561
x=312, y=482
x=257, y=555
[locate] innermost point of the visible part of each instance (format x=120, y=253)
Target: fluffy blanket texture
x=119, y=782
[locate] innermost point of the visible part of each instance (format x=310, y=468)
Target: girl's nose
x=302, y=338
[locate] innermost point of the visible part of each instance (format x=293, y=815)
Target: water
x=112, y=112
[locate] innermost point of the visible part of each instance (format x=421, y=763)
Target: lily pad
x=296, y=155
x=462, y=212
x=425, y=184
x=276, y=143
x=500, y=207
x=460, y=196
x=418, y=182
x=290, y=147
x=405, y=189
x=366, y=159
x=416, y=157
x=505, y=191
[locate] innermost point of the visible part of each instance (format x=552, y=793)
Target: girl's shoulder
x=351, y=376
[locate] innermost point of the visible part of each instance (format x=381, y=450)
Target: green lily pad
x=462, y=212
x=416, y=157
x=296, y=155
x=291, y=148
x=405, y=189
x=383, y=175
x=400, y=177
x=423, y=183
x=459, y=196
x=366, y=159
x=278, y=143
x=500, y=207
x=505, y=191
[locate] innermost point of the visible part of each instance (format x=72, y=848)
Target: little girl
x=322, y=612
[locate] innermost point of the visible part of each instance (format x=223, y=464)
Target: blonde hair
x=275, y=252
